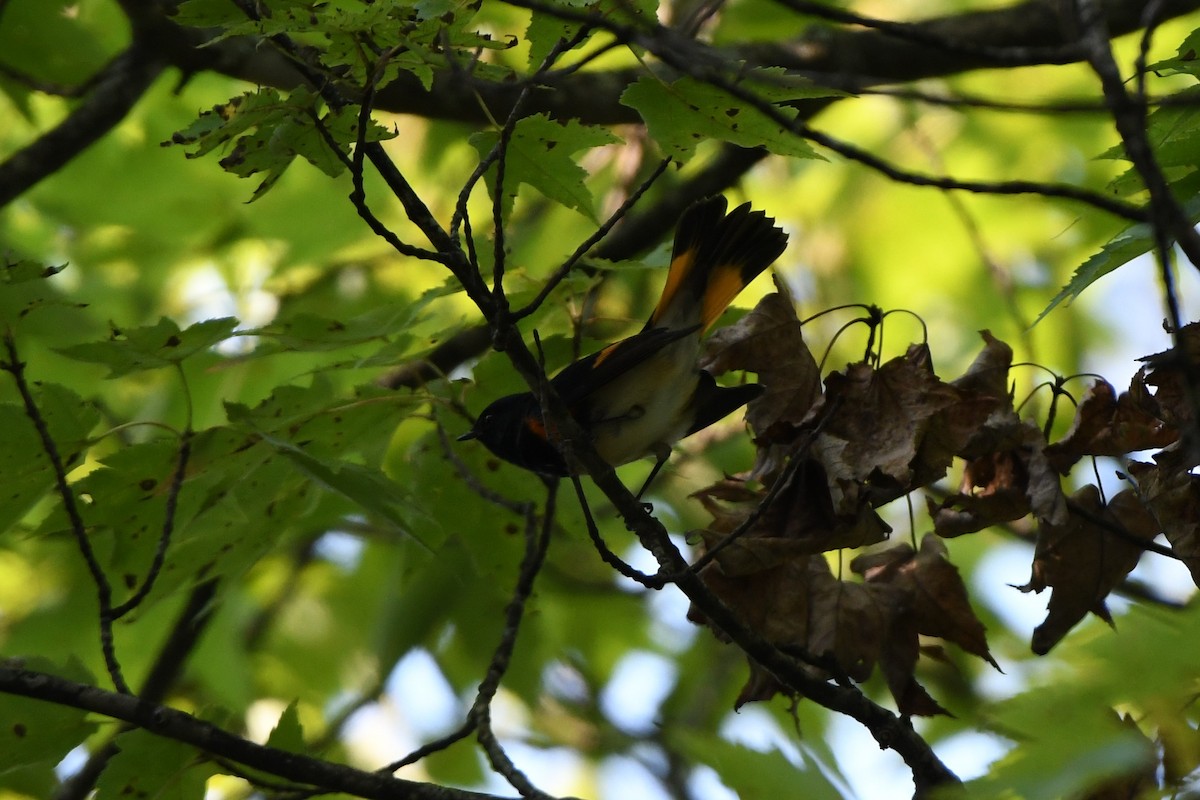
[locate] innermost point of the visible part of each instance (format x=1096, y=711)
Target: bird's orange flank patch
x=536, y=427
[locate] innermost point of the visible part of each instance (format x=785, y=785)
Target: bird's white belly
x=647, y=409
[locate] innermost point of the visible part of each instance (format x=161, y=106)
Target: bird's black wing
x=586, y=375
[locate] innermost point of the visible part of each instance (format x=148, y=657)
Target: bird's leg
x=661, y=453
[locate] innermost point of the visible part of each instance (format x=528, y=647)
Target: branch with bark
x=837, y=54
x=840, y=53
x=215, y=741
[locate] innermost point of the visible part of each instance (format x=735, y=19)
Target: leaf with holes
x=685, y=113
x=35, y=736
x=162, y=344
x=540, y=154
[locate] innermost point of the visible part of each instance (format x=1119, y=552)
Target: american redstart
x=639, y=396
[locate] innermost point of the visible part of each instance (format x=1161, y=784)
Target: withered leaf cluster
x=832, y=450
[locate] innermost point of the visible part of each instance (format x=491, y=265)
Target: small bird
x=639, y=396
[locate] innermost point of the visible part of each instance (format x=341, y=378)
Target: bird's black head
x=512, y=428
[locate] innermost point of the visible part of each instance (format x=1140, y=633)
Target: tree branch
x=182, y=727
x=1026, y=33
x=1129, y=115
x=184, y=635
x=636, y=233
x=16, y=367
x=114, y=91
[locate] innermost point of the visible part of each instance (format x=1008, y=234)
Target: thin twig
x=565, y=268
x=606, y=553
x=1167, y=216
x=478, y=719
x=962, y=99
x=500, y=760
x=16, y=368
x=164, y=538
x=537, y=541
x=1121, y=532
x=435, y=746
x=867, y=159
x=358, y=196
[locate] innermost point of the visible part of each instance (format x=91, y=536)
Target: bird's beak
x=471, y=434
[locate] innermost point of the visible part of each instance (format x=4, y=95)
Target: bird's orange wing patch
x=681, y=266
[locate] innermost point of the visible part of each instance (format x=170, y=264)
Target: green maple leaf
x=540, y=154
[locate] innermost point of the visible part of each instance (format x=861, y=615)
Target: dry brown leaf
x=926, y=595
x=962, y=514
x=1083, y=559
x=939, y=601
x=879, y=420
x=1046, y=498
x=1174, y=499
x=726, y=517
x=898, y=661
x=993, y=491
x=849, y=624
x=882, y=566
x=1003, y=484
x=749, y=555
x=942, y=606
x=1107, y=425
x=988, y=373
x=768, y=341
x=808, y=509
x=900, y=646
x=759, y=687
x=949, y=432
x=897, y=428
x=1189, y=340
x=1167, y=372
x=800, y=521
x=800, y=607
x=729, y=490
x=774, y=602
